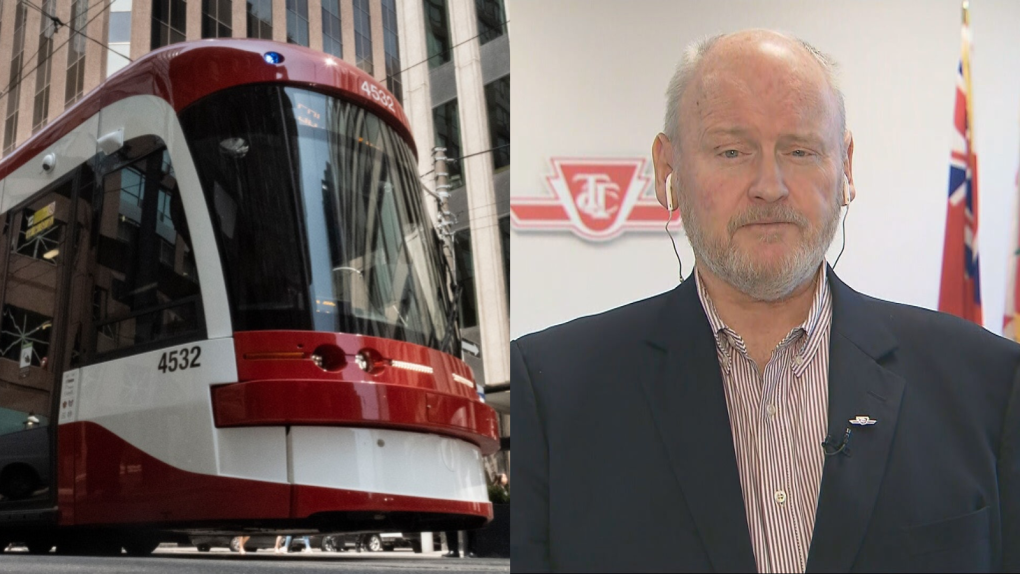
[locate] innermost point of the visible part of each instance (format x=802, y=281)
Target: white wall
x=589, y=81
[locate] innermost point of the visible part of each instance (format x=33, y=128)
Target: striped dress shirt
x=778, y=419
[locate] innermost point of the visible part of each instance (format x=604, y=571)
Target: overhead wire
x=24, y=75
x=58, y=23
x=503, y=23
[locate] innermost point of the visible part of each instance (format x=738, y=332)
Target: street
x=168, y=558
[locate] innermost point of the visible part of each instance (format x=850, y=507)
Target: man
x=685, y=432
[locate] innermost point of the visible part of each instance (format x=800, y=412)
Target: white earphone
x=670, y=201
x=846, y=191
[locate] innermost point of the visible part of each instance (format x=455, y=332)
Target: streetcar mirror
x=112, y=141
x=234, y=147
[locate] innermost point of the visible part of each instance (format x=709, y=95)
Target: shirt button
x=771, y=410
x=780, y=496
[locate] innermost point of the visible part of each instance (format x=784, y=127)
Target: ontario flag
x=960, y=290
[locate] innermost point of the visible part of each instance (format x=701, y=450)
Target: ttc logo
x=596, y=199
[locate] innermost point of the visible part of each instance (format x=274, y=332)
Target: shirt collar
x=819, y=315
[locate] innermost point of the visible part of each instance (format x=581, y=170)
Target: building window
x=14, y=97
x=260, y=19
x=74, y=86
x=491, y=19
x=146, y=286
x=363, y=36
x=297, y=22
x=120, y=27
x=504, y=233
x=41, y=105
x=216, y=16
x=331, y=36
x=391, y=44
x=169, y=22
x=437, y=32
x=447, y=126
x=467, y=302
x=119, y=36
x=497, y=102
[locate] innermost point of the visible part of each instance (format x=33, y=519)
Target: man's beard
x=760, y=280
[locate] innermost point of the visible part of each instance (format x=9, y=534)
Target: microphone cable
x=842, y=247
x=669, y=217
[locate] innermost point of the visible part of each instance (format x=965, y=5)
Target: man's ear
x=848, y=162
x=662, y=160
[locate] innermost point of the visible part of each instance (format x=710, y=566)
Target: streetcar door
x=34, y=251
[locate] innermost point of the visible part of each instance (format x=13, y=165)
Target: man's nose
x=768, y=185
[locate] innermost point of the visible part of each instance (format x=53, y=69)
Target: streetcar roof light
x=273, y=57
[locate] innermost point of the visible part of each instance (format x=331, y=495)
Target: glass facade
x=504, y=234
x=332, y=37
x=260, y=19
x=297, y=22
x=169, y=22
x=497, y=103
x=318, y=214
x=437, y=32
x=363, y=36
x=17, y=61
x=467, y=301
x=216, y=17
x=41, y=104
x=491, y=19
x=447, y=127
x=391, y=45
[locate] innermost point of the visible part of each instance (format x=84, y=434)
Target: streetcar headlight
x=364, y=361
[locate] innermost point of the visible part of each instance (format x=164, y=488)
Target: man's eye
x=801, y=153
x=731, y=154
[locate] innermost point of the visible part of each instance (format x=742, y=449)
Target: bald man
x=763, y=416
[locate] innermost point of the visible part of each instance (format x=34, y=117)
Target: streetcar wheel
x=39, y=546
x=374, y=543
x=141, y=547
x=330, y=544
x=18, y=482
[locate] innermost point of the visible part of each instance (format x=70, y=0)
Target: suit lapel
x=687, y=401
x=858, y=385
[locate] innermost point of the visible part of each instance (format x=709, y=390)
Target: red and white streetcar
x=224, y=310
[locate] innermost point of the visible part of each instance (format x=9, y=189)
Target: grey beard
x=759, y=282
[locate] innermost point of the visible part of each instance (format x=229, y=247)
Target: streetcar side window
x=146, y=283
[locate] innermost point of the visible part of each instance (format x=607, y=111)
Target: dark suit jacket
x=625, y=460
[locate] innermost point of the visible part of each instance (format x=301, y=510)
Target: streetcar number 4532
x=180, y=359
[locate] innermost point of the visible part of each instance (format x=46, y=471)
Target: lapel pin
x=862, y=420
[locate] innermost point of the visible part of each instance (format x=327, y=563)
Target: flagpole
x=969, y=137
x=966, y=81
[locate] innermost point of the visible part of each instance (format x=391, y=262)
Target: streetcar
x=224, y=311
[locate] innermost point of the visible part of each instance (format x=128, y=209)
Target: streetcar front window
x=318, y=214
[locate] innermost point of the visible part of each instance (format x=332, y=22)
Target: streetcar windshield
x=318, y=215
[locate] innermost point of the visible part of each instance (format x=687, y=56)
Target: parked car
x=371, y=542
x=338, y=542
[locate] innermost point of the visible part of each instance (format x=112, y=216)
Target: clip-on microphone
x=833, y=447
